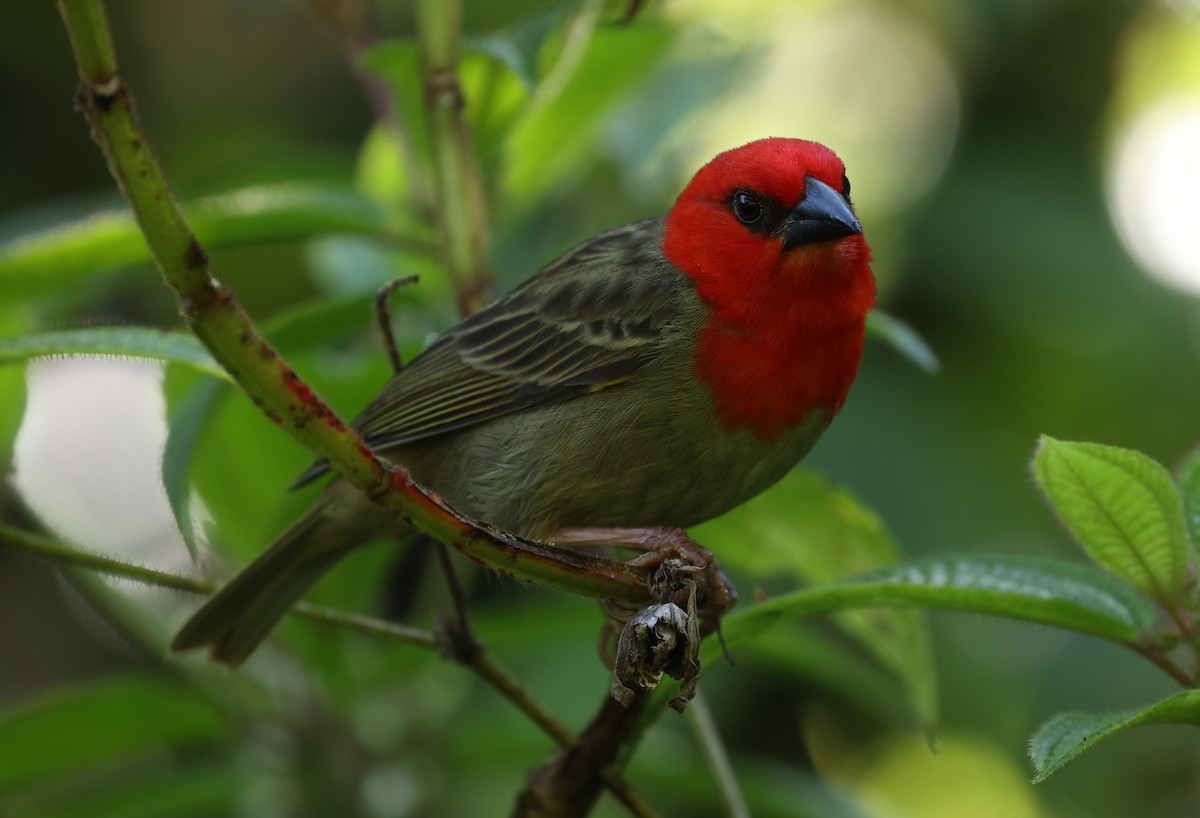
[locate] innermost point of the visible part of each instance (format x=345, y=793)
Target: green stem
x=1164, y=662
x=1187, y=632
x=709, y=738
x=461, y=204
x=91, y=41
x=53, y=551
x=221, y=324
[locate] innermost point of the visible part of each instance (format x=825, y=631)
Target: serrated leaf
x=133, y=342
x=99, y=721
x=111, y=240
x=1075, y=597
x=1189, y=492
x=1122, y=507
x=1067, y=735
x=904, y=339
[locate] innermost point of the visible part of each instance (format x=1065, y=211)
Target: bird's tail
x=241, y=613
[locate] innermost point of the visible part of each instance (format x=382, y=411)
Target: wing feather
x=589, y=320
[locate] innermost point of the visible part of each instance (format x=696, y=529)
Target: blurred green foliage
x=978, y=156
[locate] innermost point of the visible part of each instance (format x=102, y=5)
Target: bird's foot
x=692, y=594
x=672, y=555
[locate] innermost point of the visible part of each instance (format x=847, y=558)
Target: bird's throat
x=771, y=386
x=789, y=342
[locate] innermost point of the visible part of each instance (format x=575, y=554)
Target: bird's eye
x=846, y=186
x=747, y=207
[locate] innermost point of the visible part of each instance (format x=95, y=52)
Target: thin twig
x=383, y=316
x=1163, y=661
x=1187, y=633
x=463, y=635
x=62, y=555
x=709, y=738
x=567, y=786
x=487, y=668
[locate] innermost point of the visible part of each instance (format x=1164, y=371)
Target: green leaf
x=111, y=240
x=1068, y=734
x=154, y=792
x=48, y=259
x=819, y=533
x=283, y=212
x=519, y=47
x=904, y=339
x=98, y=722
x=1076, y=597
x=822, y=656
x=183, y=437
x=1123, y=509
x=12, y=390
x=134, y=342
x=559, y=128
x=1189, y=492
x=397, y=63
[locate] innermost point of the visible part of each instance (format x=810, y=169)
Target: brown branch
x=567, y=786
x=383, y=317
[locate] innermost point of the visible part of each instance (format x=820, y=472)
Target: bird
x=656, y=375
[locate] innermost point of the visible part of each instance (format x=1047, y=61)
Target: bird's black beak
x=822, y=215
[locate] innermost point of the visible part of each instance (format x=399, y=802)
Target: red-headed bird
x=658, y=374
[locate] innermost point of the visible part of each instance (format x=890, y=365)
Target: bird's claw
x=665, y=637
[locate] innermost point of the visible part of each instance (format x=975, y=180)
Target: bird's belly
x=623, y=463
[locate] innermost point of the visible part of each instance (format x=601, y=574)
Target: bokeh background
x=1026, y=173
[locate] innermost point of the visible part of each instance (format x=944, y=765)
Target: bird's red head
x=767, y=234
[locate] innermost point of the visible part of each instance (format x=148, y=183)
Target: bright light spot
x=390, y=792
x=1187, y=9
x=1152, y=187
x=870, y=85
x=87, y=457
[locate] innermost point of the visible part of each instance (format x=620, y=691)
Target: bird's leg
x=383, y=315
x=639, y=539
x=455, y=637
x=692, y=592
x=715, y=593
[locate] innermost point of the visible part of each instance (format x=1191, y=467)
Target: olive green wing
x=589, y=320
